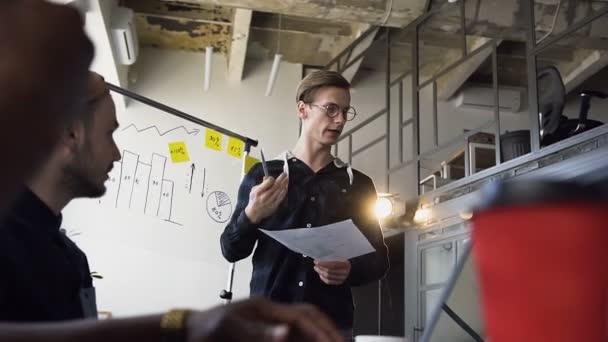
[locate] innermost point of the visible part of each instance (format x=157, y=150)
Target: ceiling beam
x=350, y=72
x=198, y=12
x=394, y=13
x=503, y=19
x=296, y=47
x=586, y=64
x=238, y=47
x=183, y=34
x=452, y=81
x=270, y=21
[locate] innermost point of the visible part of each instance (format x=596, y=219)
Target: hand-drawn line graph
x=142, y=187
x=194, y=131
x=219, y=206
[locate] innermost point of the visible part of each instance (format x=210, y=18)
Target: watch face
x=173, y=325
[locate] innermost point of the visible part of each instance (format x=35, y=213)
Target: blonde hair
x=314, y=81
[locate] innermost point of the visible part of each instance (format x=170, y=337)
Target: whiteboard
x=154, y=236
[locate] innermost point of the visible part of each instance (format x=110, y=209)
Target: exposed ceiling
x=313, y=32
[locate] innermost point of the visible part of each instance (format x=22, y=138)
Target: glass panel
x=554, y=18
x=493, y=19
x=401, y=52
x=440, y=40
x=461, y=105
x=464, y=301
x=429, y=300
x=437, y=262
x=426, y=118
x=443, y=166
x=570, y=74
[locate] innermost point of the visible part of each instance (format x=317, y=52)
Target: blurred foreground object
x=542, y=257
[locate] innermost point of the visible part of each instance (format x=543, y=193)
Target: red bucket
x=543, y=271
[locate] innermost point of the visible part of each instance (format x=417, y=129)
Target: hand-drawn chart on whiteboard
x=147, y=181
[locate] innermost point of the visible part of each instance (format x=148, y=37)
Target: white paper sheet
x=337, y=241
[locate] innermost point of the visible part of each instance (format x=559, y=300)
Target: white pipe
x=273, y=73
x=208, y=56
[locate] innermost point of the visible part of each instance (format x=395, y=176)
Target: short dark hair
x=322, y=78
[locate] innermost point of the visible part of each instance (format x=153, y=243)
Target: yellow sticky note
x=213, y=140
x=179, y=152
x=249, y=162
x=235, y=147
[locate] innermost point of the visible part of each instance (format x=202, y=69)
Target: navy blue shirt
x=42, y=271
x=313, y=199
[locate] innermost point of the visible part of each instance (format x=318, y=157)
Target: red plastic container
x=543, y=271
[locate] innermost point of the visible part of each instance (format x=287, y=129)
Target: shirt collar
x=31, y=209
x=337, y=163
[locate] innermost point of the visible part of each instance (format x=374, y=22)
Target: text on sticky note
x=235, y=147
x=213, y=140
x=179, y=152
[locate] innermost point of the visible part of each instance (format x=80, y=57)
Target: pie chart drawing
x=219, y=206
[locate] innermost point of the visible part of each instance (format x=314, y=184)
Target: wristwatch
x=173, y=325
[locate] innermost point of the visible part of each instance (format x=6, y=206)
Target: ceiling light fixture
x=208, y=60
x=274, y=71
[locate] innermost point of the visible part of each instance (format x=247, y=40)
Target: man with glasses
x=308, y=188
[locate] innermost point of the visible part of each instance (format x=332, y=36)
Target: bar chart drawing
x=142, y=187
x=154, y=189
x=128, y=168
x=166, y=200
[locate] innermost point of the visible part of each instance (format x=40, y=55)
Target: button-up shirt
x=42, y=272
x=333, y=194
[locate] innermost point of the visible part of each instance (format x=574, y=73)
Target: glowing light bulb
x=384, y=208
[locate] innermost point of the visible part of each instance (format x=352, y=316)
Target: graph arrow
x=192, y=168
x=204, y=175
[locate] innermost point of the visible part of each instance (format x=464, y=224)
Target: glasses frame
x=345, y=111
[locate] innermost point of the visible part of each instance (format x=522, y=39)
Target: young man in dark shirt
x=45, y=275
x=313, y=189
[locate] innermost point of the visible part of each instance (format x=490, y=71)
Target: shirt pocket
x=280, y=217
x=340, y=204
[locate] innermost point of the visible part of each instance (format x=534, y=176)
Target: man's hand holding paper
x=332, y=242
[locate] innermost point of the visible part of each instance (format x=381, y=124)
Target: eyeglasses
x=333, y=109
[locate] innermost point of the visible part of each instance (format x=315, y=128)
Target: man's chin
x=95, y=192
x=331, y=141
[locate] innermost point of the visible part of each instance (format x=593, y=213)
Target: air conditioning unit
x=482, y=97
x=124, y=35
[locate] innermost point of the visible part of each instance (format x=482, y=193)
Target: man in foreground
x=43, y=87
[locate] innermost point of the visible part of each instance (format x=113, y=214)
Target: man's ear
x=302, y=112
x=74, y=136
